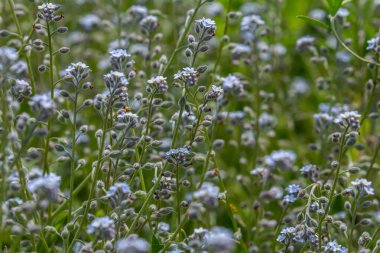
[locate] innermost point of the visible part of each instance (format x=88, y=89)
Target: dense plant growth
x=189, y=126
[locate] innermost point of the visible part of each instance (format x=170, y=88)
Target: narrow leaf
x=156, y=246
x=314, y=22
x=334, y=6
x=346, y=2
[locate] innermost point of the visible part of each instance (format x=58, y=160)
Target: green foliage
x=314, y=22
x=334, y=6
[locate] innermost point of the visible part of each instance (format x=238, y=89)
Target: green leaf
x=156, y=245
x=334, y=6
x=314, y=22
x=346, y=2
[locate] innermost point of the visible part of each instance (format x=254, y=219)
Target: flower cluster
x=102, y=228
x=43, y=106
x=233, y=84
x=305, y=43
x=310, y=171
x=179, y=156
x=184, y=137
x=149, y=24
x=158, y=84
x=373, y=44
x=363, y=186
x=292, y=193
x=21, y=89
x=249, y=24
x=282, y=159
x=208, y=194
x=348, y=120
x=219, y=240
x=334, y=247
x=205, y=26
x=115, y=81
x=45, y=188
x=77, y=71
x=188, y=75
x=47, y=10
x=132, y=244
x=288, y=235
x=117, y=194
x=127, y=119
x=214, y=93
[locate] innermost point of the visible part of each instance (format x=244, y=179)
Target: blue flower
x=292, y=191
x=282, y=159
x=179, y=156
x=118, y=57
x=132, y=244
x=45, y=187
x=208, y=194
x=348, y=119
x=77, y=71
x=214, y=93
x=117, y=194
x=373, y=44
x=310, y=171
x=159, y=84
x=102, y=228
x=249, y=24
x=188, y=75
x=334, y=247
x=305, y=43
x=118, y=188
x=363, y=186
x=115, y=80
x=47, y=10
x=287, y=235
x=205, y=25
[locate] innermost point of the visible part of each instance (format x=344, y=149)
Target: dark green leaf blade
x=314, y=21
x=334, y=6
x=156, y=246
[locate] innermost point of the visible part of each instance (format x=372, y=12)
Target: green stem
x=30, y=71
x=51, y=75
x=93, y=185
x=278, y=227
x=19, y=31
x=75, y=192
x=119, y=23
x=150, y=194
x=182, y=37
x=332, y=21
x=332, y=190
x=372, y=95
x=369, y=171
x=173, y=236
x=177, y=127
x=205, y=167
x=178, y=196
x=15, y=19
x=223, y=188
x=221, y=44
x=147, y=200
x=353, y=219
x=72, y=166
x=375, y=235
x=4, y=144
